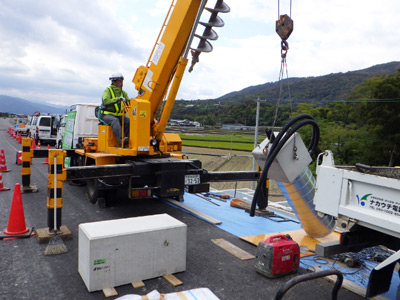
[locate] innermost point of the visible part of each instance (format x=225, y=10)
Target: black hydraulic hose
x=277, y=145
x=275, y=148
x=310, y=276
x=270, y=159
x=291, y=123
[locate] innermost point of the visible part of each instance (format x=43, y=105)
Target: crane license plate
x=192, y=179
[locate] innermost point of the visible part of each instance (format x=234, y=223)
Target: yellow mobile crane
x=152, y=164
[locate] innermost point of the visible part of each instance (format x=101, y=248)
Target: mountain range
x=304, y=89
x=21, y=106
x=336, y=86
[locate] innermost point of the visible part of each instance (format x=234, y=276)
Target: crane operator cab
x=124, y=125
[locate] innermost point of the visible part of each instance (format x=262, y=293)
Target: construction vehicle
x=153, y=165
x=21, y=126
x=363, y=200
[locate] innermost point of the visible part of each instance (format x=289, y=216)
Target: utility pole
x=256, y=136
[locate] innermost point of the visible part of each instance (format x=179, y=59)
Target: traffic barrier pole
x=61, y=176
x=27, y=155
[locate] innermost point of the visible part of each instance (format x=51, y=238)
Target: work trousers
x=116, y=126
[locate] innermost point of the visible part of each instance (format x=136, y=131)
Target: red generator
x=277, y=256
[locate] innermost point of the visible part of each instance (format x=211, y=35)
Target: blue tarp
x=235, y=220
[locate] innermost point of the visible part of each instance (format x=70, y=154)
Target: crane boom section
x=153, y=80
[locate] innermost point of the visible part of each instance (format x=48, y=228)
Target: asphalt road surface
x=26, y=273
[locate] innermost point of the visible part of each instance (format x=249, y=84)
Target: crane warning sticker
x=148, y=80
x=143, y=113
x=134, y=113
x=158, y=52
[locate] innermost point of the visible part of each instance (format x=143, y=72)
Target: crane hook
x=284, y=27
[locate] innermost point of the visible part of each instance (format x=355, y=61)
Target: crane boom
x=153, y=81
x=160, y=80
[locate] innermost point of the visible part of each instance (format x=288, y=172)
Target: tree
x=382, y=117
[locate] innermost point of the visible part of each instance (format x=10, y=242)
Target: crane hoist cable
x=283, y=27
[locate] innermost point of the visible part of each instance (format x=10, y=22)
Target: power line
x=394, y=100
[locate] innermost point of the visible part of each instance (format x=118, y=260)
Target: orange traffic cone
x=16, y=222
x=33, y=144
x=46, y=161
x=2, y=188
x=3, y=166
x=38, y=144
x=19, y=138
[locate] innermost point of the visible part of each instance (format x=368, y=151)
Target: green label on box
x=99, y=261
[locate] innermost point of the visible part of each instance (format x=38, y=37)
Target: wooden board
x=138, y=284
x=43, y=236
x=299, y=236
x=172, y=280
x=195, y=212
x=232, y=249
x=110, y=292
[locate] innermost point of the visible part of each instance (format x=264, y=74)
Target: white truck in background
x=81, y=122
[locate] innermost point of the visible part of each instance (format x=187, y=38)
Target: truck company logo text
x=379, y=204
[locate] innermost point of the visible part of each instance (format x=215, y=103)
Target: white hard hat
x=116, y=76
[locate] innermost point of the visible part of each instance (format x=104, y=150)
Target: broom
x=56, y=244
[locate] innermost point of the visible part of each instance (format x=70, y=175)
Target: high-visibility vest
x=118, y=108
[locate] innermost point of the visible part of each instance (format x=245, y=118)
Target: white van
x=45, y=129
x=81, y=123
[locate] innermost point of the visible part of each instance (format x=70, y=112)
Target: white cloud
x=64, y=51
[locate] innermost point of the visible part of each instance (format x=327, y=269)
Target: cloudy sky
x=63, y=52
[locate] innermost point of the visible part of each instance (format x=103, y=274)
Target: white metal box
x=117, y=252
x=291, y=161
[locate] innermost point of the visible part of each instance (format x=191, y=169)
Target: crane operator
x=113, y=109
